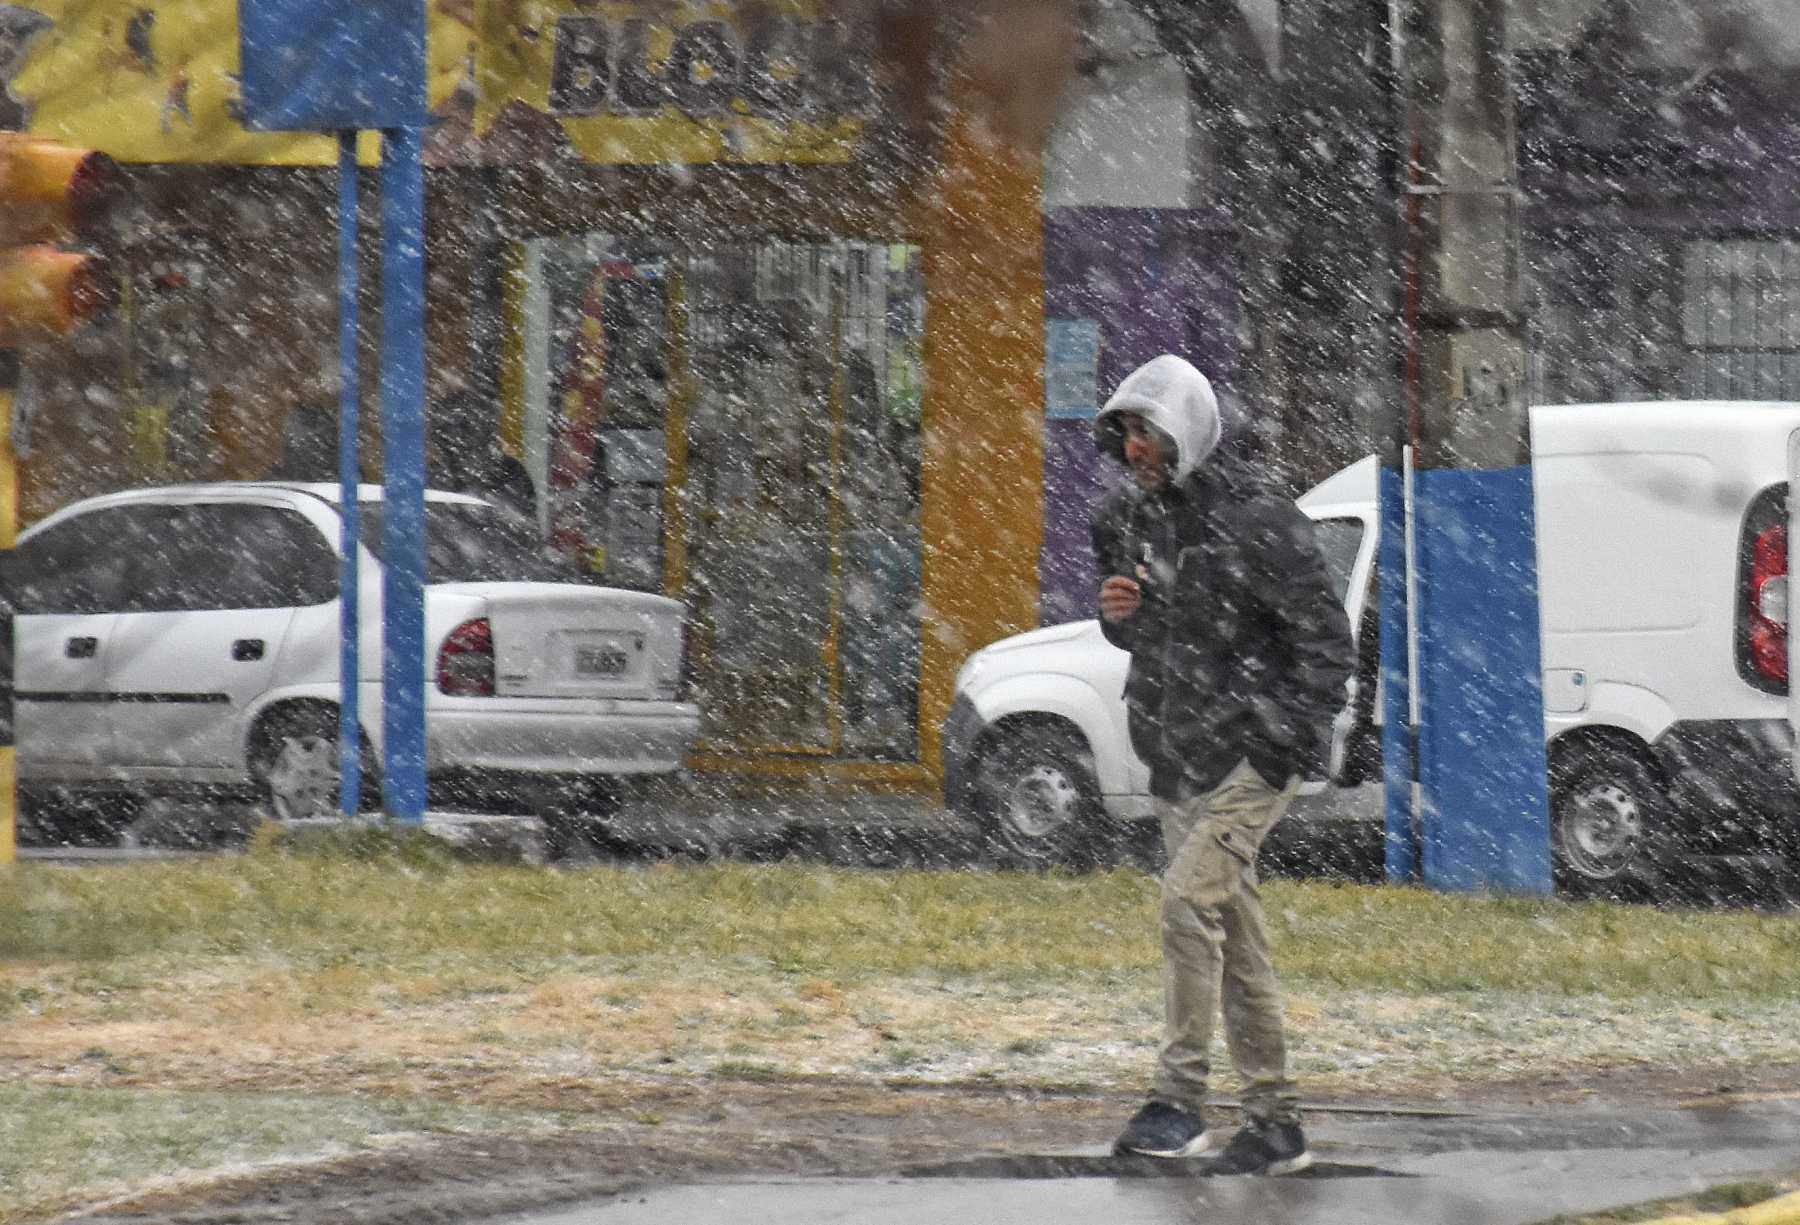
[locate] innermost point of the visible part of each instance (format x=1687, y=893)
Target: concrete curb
x=1782, y=1210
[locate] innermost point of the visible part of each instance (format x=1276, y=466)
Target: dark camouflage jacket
x=1241, y=648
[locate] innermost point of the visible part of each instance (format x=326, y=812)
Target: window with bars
x=1741, y=319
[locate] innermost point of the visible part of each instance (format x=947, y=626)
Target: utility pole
x=1299, y=139
x=1468, y=803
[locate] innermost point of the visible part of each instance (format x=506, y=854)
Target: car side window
x=265, y=557
x=170, y=570
x=81, y=565
x=213, y=556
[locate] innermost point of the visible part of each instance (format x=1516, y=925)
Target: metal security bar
x=1741, y=319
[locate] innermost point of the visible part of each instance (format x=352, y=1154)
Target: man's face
x=1147, y=453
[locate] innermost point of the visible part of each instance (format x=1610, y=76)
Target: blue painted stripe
x=1486, y=822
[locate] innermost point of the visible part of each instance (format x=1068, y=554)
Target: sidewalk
x=1501, y=1169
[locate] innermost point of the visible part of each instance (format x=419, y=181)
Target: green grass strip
x=855, y=925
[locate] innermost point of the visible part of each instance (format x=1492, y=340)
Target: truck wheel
x=1040, y=802
x=1603, y=809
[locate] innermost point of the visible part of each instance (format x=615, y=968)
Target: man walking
x=1240, y=651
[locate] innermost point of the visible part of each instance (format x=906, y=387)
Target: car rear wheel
x=1040, y=802
x=297, y=765
x=577, y=814
x=1603, y=813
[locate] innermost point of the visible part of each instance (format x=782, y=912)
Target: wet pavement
x=1380, y=1170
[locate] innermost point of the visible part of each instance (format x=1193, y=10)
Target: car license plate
x=606, y=659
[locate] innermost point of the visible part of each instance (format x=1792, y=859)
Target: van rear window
x=1339, y=540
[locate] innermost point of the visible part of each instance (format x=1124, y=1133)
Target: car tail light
x=465, y=663
x=672, y=679
x=1763, y=594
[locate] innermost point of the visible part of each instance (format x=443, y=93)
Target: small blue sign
x=332, y=65
x=1071, y=369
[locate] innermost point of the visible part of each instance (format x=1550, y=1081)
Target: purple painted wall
x=1157, y=281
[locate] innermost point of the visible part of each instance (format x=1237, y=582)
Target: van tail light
x=465, y=663
x=1763, y=597
x=1768, y=603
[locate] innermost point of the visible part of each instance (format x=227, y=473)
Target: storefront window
x=771, y=392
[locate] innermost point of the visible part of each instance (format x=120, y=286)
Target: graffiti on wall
x=693, y=81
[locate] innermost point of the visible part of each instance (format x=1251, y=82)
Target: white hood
x=1173, y=397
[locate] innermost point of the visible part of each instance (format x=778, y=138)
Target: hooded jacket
x=1240, y=649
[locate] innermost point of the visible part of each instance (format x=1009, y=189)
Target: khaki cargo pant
x=1216, y=949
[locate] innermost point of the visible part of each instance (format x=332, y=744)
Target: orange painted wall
x=982, y=232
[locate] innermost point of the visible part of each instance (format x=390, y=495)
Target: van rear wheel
x=1604, y=805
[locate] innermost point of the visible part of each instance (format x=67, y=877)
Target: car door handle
x=246, y=649
x=81, y=648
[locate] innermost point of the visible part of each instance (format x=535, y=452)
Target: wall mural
x=687, y=81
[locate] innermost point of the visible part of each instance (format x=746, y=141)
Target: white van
x=1662, y=562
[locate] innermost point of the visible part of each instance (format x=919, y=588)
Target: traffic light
x=51, y=194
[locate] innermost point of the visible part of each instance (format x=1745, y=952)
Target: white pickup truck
x=1662, y=560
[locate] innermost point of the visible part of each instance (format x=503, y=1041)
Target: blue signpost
x=403, y=470
x=343, y=66
x=350, y=506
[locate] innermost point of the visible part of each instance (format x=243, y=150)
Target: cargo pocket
x=1210, y=866
x=1240, y=844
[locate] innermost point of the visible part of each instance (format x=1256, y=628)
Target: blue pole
x=1399, y=727
x=349, y=476
x=403, y=473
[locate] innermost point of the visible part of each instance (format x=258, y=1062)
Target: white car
x=186, y=640
x=1035, y=744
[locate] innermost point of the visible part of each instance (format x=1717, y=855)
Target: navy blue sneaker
x=1265, y=1148
x=1162, y=1130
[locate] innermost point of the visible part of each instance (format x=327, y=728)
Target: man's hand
x=1119, y=598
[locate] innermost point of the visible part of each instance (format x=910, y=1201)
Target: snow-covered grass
x=302, y=958
x=404, y=977
x=126, y=1141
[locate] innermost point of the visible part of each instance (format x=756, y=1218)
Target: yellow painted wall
x=163, y=89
